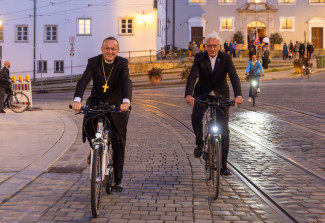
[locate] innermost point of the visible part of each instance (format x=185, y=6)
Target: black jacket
x=4, y=78
x=212, y=81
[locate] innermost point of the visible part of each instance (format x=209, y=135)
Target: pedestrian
x=234, y=46
x=111, y=83
x=296, y=48
x=310, y=49
x=201, y=47
x=210, y=69
x=266, y=41
x=4, y=84
x=226, y=46
x=301, y=50
x=285, y=51
x=196, y=49
x=231, y=48
x=190, y=48
x=254, y=68
x=265, y=57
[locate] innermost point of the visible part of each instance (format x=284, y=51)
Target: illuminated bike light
x=303, y=67
x=254, y=83
x=98, y=135
x=214, y=129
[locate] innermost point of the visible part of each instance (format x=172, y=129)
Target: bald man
x=4, y=84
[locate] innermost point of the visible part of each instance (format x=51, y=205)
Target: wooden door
x=317, y=37
x=197, y=34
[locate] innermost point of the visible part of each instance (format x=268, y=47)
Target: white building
x=40, y=33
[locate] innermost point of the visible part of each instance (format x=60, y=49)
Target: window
x=256, y=1
x=41, y=66
x=1, y=32
x=58, y=66
x=286, y=24
x=22, y=33
x=50, y=33
x=84, y=27
x=316, y=1
x=126, y=26
x=287, y=1
x=226, y=24
x=196, y=2
x=227, y=2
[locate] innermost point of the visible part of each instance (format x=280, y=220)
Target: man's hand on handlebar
x=238, y=100
x=125, y=106
x=189, y=100
x=76, y=106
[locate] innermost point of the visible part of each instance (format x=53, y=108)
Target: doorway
x=254, y=26
x=317, y=37
x=197, y=34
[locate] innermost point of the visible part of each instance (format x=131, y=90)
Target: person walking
x=190, y=48
x=234, y=46
x=265, y=57
x=254, y=68
x=296, y=48
x=210, y=71
x=301, y=50
x=310, y=49
x=285, y=51
x=111, y=83
x=231, y=48
x=226, y=46
x=4, y=84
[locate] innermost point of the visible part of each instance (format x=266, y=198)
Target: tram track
x=281, y=211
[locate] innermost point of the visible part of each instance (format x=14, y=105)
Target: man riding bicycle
x=112, y=84
x=211, y=68
x=254, y=68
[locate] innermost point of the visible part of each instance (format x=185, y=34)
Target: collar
x=108, y=62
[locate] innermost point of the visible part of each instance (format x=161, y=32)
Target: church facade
x=296, y=20
x=55, y=38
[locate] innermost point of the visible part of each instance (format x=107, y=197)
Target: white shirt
x=213, y=61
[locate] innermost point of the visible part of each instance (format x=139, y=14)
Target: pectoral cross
x=105, y=87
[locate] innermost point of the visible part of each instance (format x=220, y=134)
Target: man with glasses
x=111, y=83
x=211, y=68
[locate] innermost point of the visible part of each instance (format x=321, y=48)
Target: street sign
x=71, y=54
x=256, y=42
x=72, y=40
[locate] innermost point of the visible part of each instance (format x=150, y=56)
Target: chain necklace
x=106, y=80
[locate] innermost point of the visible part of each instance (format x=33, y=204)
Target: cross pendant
x=105, y=87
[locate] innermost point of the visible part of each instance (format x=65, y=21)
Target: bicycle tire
x=18, y=102
x=217, y=156
x=96, y=183
x=254, y=95
x=110, y=177
x=207, y=160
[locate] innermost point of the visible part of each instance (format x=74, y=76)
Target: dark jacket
x=120, y=87
x=212, y=81
x=4, y=78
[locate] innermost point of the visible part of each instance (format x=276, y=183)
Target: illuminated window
x=317, y=1
x=226, y=24
x=255, y=24
x=287, y=24
x=84, y=27
x=286, y=1
x=197, y=1
x=126, y=26
x=50, y=33
x=227, y=1
x=256, y=1
x=1, y=32
x=21, y=33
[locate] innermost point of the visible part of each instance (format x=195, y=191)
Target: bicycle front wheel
x=217, y=157
x=18, y=102
x=254, y=95
x=96, y=183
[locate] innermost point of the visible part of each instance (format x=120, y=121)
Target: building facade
x=296, y=20
x=55, y=38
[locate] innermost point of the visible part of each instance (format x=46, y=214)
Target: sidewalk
x=30, y=143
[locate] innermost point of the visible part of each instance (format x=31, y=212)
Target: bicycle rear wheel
x=217, y=157
x=96, y=183
x=18, y=102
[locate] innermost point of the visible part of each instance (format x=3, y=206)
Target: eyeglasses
x=213, y=46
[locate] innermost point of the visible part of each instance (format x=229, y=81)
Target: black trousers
x=2, y=97
x=222, y=119
x=118, y=149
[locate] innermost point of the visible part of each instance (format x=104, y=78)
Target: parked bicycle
x=212, y=149
x=17, y=101
x=101, y=154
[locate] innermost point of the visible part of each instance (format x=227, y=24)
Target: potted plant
x=276, y=39
x=297, y=63
x=155, y=75
x=186, y=72
x=239, y=38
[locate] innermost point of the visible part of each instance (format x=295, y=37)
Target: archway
x=252, y=28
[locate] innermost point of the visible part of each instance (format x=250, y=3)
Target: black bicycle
x=17, y=101
x=101, y=153
x=212, y=150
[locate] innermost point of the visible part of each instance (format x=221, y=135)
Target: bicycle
x=305, y=71
x=101, y=154
x=212, y=149
x=254, y=89
x=17, y=101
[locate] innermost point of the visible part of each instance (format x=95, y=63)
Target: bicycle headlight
x=303, y=67
x=98, y=135
x=254, y=83
x=214, y=129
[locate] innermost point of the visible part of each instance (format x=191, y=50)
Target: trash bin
x=319, y=61
x=323, y=61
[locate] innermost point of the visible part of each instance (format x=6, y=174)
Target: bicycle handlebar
x=215, y=102
x=102, y=108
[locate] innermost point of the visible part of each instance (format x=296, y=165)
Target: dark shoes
x=117, y=187
x=88, y=159
x=198, y=151
x=2, y=111
x=225, y=171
